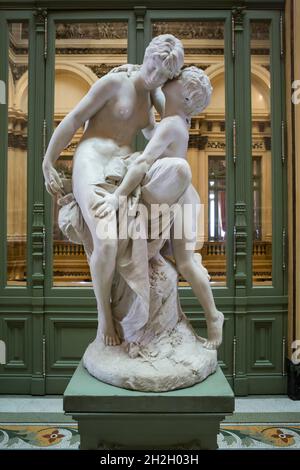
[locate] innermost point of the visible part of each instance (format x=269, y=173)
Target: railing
x=262, y=248
x=69, y=260
x=218, y=248
x=64, y=248
x=214, y=248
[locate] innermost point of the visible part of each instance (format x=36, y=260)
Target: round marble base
x=175, y=359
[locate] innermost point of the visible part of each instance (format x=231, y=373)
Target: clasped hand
x=108, y=204
x=53, y=181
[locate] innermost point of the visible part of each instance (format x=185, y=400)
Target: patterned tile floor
x=233, y=436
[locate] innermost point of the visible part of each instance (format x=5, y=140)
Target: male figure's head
x=163, y=60
x=190, y=92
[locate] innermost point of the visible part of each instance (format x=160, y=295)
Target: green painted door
x=237, y=156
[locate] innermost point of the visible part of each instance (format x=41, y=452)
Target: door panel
x=16, y=329
x=47, y=306
x=81, y=49
x=267, y=269
x=206, y=40
x=67, y=339
x=204, y=43
x=260, y=47
x=17, y=153
x=261, y=301
x=84, y=52
x=21, y=319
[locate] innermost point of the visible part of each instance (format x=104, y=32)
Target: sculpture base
x=113, y=418
x=175, y=359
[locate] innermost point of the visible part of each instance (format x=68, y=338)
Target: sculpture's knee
x=185, y=268
x=183, y=172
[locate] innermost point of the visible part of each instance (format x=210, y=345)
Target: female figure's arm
x=96, y=97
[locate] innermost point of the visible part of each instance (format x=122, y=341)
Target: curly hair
x=197, y=89
x=170, y=50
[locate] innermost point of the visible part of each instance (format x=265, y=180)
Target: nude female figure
x=116, y=108
x=185, y=96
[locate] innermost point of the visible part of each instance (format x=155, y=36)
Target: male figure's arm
x=158, y=102
x=148, y=131
x=137, y=170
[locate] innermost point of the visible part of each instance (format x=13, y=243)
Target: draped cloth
x=144, y=296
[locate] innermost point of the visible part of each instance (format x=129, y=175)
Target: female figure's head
x=190, y=92
x=163, y=60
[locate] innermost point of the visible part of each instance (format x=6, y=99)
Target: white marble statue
x=144, y=341
x=185, y=96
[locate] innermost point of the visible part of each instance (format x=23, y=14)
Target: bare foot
x=109, y=335
x=214, y=329
x=111, y=340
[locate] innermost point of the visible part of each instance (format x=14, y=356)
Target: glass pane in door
x=204, y=43
x=261, y=153
x=17, y=154
x=84, y=52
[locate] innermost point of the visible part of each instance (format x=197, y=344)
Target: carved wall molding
x=17, y=70
x=210, y=30
x=268, y=143
x=100, y=69
x=260, y=31
x=198, y=141
x=90, y=51
x=216, y=145
x=17, y=130
x=262, y=51
x=17, y=141
x=98, y=30
x=204, y=51
x=258, y=145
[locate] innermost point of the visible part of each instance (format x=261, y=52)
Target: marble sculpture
x=137, y=216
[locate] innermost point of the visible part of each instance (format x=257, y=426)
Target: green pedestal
x=110, y=417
